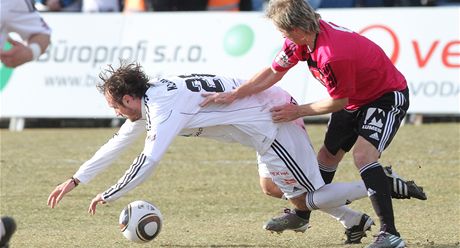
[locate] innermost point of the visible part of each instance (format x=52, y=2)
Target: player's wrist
x=298, y=112
x=103, y=198
x=75, y=181
x=36, y=50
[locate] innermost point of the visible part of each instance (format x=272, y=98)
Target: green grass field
x=208, y=192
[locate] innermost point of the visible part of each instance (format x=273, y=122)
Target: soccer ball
x=140, y=221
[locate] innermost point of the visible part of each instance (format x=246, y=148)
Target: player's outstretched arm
x=58, y=193
x=263, y=80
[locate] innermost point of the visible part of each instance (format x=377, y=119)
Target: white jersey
x=171, y=107
x=20, y=16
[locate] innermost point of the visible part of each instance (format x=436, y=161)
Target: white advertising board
x=424, y=43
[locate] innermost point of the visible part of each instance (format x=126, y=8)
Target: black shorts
x=377, y=122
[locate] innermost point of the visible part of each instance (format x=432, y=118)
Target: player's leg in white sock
x=345, y=215
x=335, y=194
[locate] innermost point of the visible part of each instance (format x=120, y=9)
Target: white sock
x=336, y=194
x=345, y=215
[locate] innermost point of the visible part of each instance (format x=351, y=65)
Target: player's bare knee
x=364, y=153
x=268, y=192
x=362, y=158
x=272, y=191
x=265, y=190
x=269, y=188
x=327, y=158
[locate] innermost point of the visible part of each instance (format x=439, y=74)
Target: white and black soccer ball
x=140, y=221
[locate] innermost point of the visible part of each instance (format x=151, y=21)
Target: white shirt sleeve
x=164, y=124
x=127, y=134
x=21, y=17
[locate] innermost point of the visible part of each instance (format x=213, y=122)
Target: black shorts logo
x=374, y=120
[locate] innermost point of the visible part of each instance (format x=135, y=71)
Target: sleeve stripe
x=134, y=169
x=290, y=50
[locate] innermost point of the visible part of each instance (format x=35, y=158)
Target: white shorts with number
x=291, y=162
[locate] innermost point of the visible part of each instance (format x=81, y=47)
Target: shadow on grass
x=456, y=245
x=221, y=246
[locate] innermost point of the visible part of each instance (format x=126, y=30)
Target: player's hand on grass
x=219, y=98
x=58, y=193
x=93, y=204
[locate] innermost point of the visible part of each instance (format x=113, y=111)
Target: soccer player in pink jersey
x=368, y=100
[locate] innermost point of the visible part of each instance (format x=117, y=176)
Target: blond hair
x=290, y=14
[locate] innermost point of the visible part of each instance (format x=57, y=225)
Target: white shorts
x=291, y=162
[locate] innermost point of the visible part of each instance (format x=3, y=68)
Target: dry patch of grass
x=208, y=192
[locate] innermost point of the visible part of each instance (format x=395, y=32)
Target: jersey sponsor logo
x=374, y=121
x=282, y=59
x=279, y=173
x=290, y=181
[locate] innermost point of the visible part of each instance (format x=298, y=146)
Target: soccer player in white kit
x=20, y=16
x=169, y=107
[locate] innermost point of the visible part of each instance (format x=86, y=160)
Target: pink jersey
x=348, y=64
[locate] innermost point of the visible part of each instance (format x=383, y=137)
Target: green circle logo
x=238, y=40
x=5, y=72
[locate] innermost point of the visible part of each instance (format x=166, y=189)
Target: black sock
x=304, y=214
x=326, y=173
x=380, y=194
